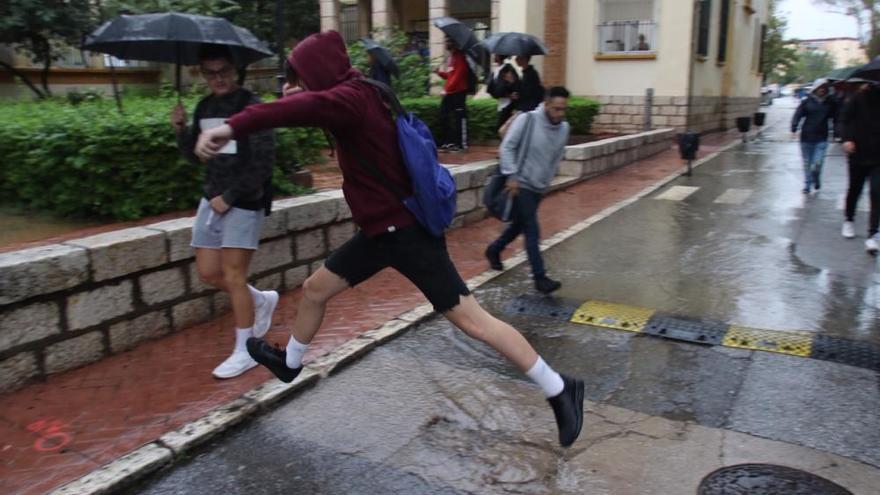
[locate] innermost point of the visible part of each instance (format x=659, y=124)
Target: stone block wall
x=66, y=305
x=626, y=114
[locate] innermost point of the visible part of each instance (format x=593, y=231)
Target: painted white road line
x=734, y=196
x=677, y=193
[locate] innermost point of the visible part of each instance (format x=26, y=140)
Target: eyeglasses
x=216, y=74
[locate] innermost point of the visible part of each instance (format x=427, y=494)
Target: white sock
x=241, y=336
x=544, y=376
x=295, y=353
x=256, y=295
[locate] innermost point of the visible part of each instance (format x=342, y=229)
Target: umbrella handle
x=177, y=72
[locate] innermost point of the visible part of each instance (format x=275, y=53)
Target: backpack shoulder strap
x=387, y=94
x=525, y=141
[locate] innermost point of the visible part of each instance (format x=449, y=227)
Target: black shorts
x=413, y=252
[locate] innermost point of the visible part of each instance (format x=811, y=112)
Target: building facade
x=845, y=52
x=700, y=59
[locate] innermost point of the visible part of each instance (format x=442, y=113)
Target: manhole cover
x=767, y=479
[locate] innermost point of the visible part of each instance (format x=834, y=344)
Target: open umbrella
x=514, y=44
x=870, y=71
x=457, y=31
x=382, y=55
x=463, y=36
x=174, y=38
x=841, y=74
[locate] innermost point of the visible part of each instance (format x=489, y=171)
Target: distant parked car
x=767, y=95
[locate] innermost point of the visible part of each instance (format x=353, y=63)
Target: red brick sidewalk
x=58, y=430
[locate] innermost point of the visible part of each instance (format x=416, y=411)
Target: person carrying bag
x=531, y=152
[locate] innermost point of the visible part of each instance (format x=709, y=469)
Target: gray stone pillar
x=437, y=8
x=329, y=15
x=383, y=18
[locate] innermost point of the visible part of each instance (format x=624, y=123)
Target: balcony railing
x=627, y=37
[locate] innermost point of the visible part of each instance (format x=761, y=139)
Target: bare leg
x=210, y=267
x=475, y=321
x=318, y=290
x=235, y=268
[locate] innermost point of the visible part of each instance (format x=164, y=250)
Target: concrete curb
x=172, y=446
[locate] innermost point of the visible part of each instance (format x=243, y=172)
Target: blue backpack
x=434, y=191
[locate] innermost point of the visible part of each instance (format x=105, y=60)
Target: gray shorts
x=237, y=228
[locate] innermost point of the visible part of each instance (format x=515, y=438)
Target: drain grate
x=611, y=315
x=753, y=479
x=541, y=306
x=851, y=352
x=759, y=339
x=686, y=329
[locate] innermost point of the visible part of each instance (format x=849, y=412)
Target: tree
x=864, y=12
x=779, y=56
x=812, y=65
x=40, y=27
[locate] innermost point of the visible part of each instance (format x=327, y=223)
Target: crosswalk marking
x=677, y=193
x=734, y=196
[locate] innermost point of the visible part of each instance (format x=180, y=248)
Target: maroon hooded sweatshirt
x=357, y=117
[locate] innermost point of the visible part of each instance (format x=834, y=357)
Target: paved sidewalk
x=61, y=429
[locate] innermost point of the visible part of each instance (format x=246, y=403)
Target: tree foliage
x=779, y=56
x=415, y=71
x=41, y=27
x=811, y=65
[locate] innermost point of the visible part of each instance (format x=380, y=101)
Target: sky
x=806, y=20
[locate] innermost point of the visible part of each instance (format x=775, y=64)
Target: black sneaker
x=494, y=260
x=547, y=285
x=272, y=358
x=568, y=407
x=816, y=183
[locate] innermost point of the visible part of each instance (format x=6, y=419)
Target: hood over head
x=819, y=83
x=321, y=61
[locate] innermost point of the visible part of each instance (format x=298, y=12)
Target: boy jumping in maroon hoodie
x=330, y=95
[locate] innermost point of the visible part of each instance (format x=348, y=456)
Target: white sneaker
x=848, y=230
x=236, y=364
x=263, y=313
x=872, y=245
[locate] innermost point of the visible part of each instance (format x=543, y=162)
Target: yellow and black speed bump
x=686, y=329
x=611, y=315
x=760, y=339
x=542, y=306
x=643, y=320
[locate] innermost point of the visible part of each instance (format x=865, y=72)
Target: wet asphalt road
x=435, y=412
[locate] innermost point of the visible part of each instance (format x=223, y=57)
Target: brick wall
x=66, y=305
x=556, y=41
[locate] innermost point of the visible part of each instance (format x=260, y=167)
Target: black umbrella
x=174, y=38
x=514, y=44
x=382, y=55
x=870, y=71
x=460, y=33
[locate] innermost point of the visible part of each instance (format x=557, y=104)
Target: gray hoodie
x=546, y=145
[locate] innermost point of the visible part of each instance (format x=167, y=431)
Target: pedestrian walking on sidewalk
x=504, y=87
x=237, y=195
x=861, y=142
x=531, y=92
x=454, y=103
x=530, y=154
x=335, y=98
x=818, y=112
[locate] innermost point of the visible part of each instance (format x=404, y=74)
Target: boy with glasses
x=237, y=195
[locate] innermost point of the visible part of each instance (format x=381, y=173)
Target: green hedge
x=483, y=115
x=87, y=160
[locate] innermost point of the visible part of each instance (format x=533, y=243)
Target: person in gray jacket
x=530, y=154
